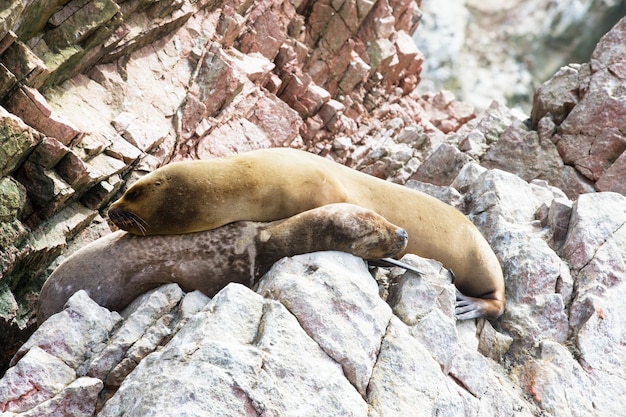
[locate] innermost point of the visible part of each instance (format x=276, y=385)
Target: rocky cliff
x=94, y=93
x=486, y=50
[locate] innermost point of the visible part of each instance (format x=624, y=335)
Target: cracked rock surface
x=315, y=335
x=91, y=101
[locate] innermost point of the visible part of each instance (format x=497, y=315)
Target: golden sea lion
x=271, y=184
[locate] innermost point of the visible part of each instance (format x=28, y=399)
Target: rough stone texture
x=354, y=347
x=587, y=104
x=532, y=155
x=95, y=101
x=555, y=351
x=240, y=355
x=442, y=167
x=501, y=50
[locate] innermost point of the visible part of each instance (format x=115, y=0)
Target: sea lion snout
x=403, y=240
x=403, y=235
x=126, y=220
x=119, y=217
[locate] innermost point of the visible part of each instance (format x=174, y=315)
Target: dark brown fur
x=117, y=268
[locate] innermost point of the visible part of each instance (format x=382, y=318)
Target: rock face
x=95, y=93
x=267, y=353
x=577, y=138
x=88, y=97
x=485, y=51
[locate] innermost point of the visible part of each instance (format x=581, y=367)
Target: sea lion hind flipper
x=468, y=308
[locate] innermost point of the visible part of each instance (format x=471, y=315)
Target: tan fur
x=276, y=183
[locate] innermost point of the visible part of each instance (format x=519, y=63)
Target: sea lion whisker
x=126, y=219
x=141, y=228
x=139, y=222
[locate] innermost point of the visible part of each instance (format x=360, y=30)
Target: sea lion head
x=341, y=226
x=368, y=234
x=162, y=202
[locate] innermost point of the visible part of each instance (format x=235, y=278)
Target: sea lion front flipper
x=390, y=262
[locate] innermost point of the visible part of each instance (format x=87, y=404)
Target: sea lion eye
x=133, y=194
x=157, y=183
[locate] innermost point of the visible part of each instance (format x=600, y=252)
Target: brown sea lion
x=271, y=184
x=119, y=267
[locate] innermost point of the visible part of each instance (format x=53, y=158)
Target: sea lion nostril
x=116, y=215
x=403, y=234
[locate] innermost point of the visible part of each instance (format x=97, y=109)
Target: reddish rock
x=273, y=83
x=356, y=73
x=124, y=151
x=233, y=137
x=32, y=107
x=311, y=128
x=44, y=187
x=266, y=34
x=558, y=96
x=313, y=99
x=382, y=55
x=591, y=137
x=444, y=112
x=256, y=67
x=294, y=86
x=122, y=121
x=277, y=121
x=328, y=68
x=103, y=192
x=78, y=174
x=407, y=14
x=144, y=136
x=593, y=150
x=611, y=49
x=613, y=179
x=48, y=153
x=601, y=108
x=269, y=123
x=106, y=165
x=220, y=72
x=405, y=49
x=229, y=28
x=321, y=13
x=533, y=156
x=331, y=111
